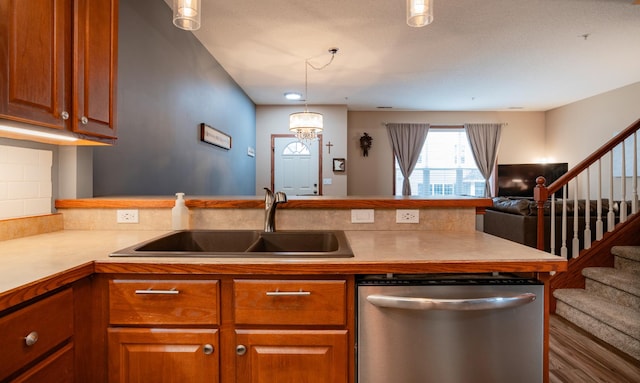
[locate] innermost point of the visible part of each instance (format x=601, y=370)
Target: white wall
x=275, y=120
x=578, y=129
x=523, y=141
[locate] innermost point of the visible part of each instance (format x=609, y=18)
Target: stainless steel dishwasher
x=449, y=329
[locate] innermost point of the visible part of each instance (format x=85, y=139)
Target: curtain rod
x=444, y=125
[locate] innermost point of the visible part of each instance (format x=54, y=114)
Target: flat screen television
x=519, y=180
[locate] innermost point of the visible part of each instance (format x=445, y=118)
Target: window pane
x=296, y=149
x=445, y=167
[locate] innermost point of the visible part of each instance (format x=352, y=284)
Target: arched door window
x=296, y=149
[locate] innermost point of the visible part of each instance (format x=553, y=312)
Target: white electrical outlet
x=407, y=216
x=127, y=216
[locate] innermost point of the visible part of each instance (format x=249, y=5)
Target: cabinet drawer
x=290, y=302
x=164, y=302
x=57, y=368
x=50, y=320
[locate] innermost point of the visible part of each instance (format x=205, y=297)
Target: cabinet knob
x=64, y=115
x=208, y=349
x=241, y=349
x=84, y=120
x=31, y=339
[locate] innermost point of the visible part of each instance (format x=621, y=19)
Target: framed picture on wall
x=339, y=165
x=215, y=137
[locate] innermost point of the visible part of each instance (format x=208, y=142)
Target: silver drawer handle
x=279, y=293
x=31, y=339
x=159, y=292
x=488, y=303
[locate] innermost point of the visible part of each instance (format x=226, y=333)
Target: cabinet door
x=163, y=355
x=291, y=356
x=35, y=61
x=95, y=63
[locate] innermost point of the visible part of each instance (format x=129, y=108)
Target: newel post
x=540, y=195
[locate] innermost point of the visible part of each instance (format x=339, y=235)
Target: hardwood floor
x=574, y=356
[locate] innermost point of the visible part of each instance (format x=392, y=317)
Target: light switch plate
x=362, y=215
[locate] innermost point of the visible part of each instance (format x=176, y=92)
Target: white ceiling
x=476, y=55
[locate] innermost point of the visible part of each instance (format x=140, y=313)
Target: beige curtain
x=407, y=141
x=484, y=140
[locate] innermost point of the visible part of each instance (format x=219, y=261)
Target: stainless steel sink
x=243, y=243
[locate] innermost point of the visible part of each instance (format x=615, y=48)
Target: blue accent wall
x=168, y=84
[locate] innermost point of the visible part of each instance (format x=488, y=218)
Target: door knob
x=31, y=339
x=241, y=349
x=208, y=349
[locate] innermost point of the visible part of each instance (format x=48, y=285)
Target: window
x=296, y=149
x=445, y=166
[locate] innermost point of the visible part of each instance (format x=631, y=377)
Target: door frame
x=273, y=149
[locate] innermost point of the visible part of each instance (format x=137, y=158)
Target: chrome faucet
x=271, y=201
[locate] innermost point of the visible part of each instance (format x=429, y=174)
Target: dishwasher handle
x=464, y=304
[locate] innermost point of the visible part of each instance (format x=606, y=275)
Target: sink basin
x=243, y=243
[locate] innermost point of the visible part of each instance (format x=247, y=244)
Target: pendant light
x=307, y=125
x=419, y=12
x=186, y=14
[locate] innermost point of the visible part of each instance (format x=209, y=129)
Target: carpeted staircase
x=609, y=306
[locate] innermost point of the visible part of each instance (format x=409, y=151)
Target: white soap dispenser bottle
x=180, y=214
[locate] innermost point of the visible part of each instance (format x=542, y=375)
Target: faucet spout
x=271, y=202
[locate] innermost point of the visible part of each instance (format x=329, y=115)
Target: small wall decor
x=339, y=164
x=215, y=137
x=365, y=144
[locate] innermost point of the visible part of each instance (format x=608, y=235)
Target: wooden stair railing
x=542, y=192
x=623, y=232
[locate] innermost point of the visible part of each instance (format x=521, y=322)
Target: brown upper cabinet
x=58, y=61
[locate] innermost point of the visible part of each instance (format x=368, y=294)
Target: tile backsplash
x=25, y=182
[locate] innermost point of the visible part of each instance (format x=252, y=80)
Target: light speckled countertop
x=26, y=261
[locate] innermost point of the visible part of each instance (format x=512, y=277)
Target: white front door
x=295, y=166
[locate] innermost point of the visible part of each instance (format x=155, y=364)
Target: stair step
x=615, y=324
x=619, y=286
x=626, y=257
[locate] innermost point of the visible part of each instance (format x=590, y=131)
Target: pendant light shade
x=186, y=14
x=305, y=125
x=419, y=12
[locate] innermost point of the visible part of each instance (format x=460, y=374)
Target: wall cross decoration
x=329, y=145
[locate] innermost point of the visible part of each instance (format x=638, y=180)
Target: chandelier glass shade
x=305, y=125
x=419, y=12
x=186, y=14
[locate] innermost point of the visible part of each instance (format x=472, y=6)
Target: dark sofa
x=516, y=219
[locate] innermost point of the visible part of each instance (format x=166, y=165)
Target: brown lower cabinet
x=163, y=355
x=166, y=329
x=37, y=340
x=292, y=356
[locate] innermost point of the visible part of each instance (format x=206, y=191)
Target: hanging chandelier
x=307, y=125
x=186, y=14
x=419, y=12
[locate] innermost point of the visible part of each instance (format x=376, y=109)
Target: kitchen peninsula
x=73, y=268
